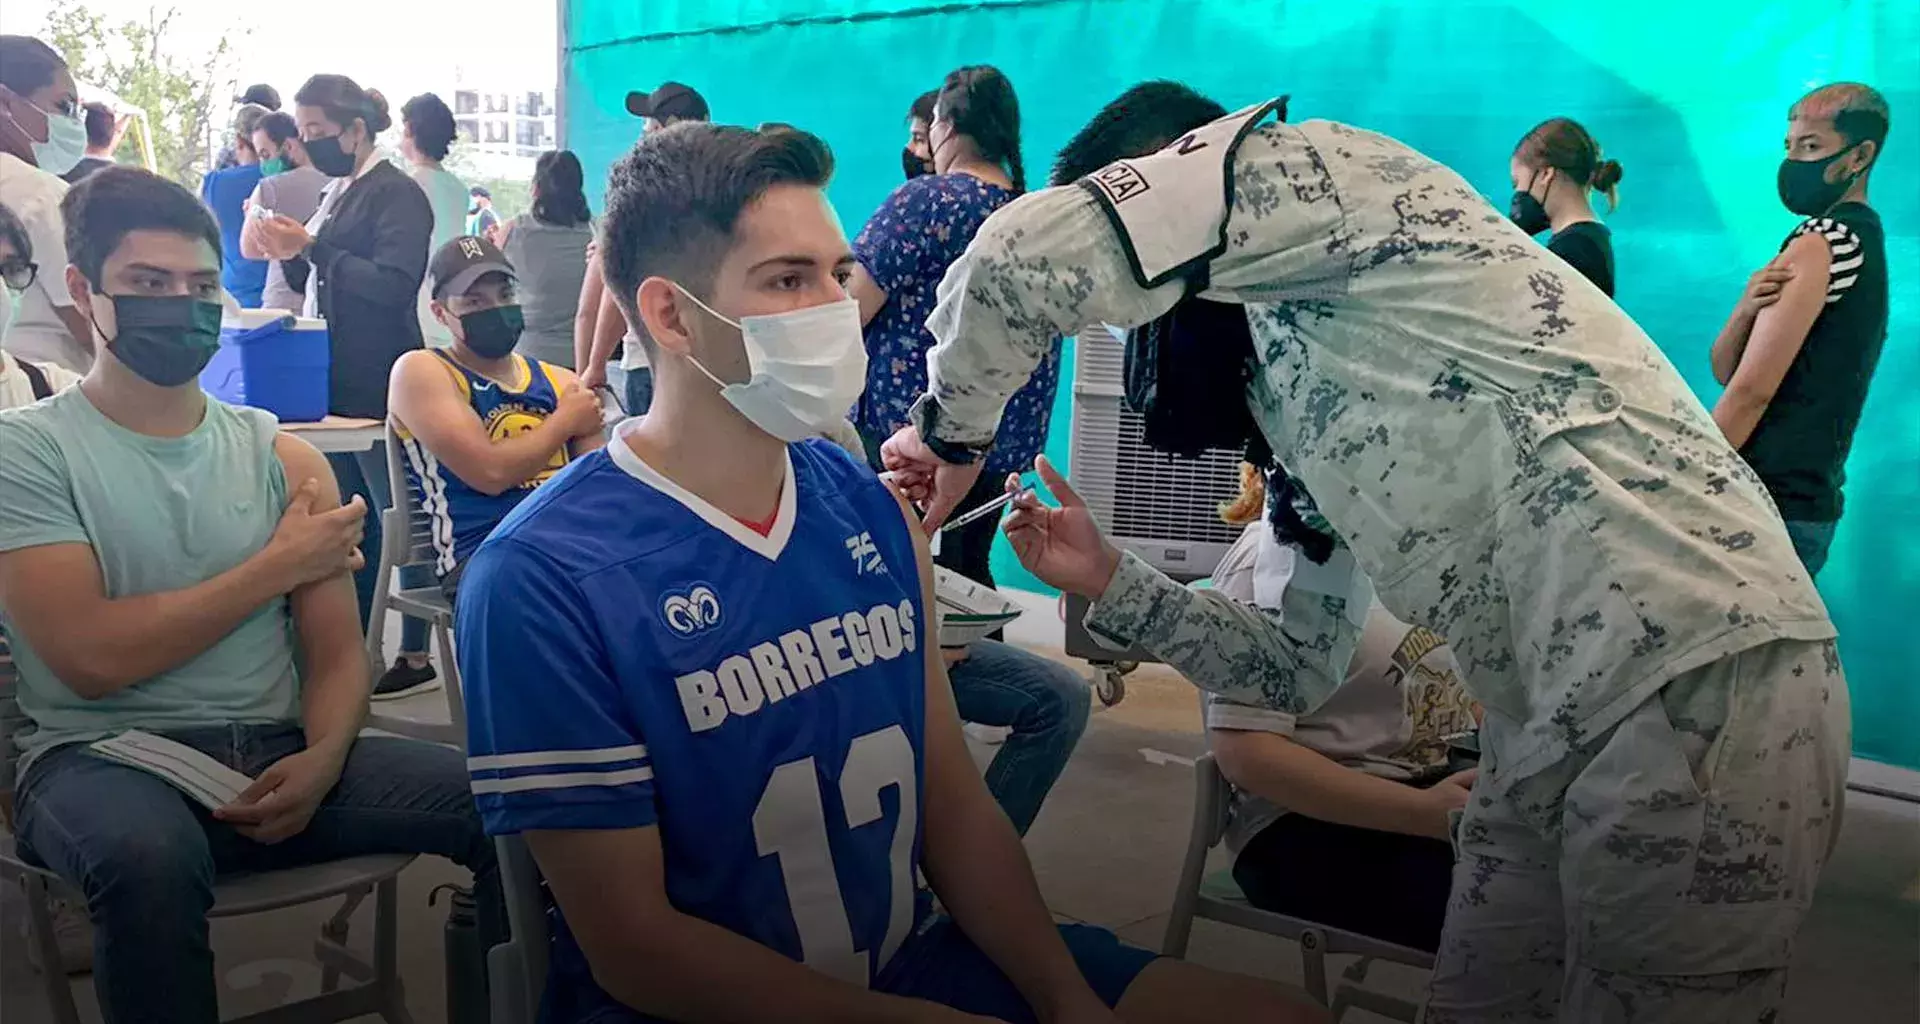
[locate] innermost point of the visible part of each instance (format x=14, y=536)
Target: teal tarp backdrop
x=1690, y=97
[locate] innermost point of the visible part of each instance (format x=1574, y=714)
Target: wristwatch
x=924, y=417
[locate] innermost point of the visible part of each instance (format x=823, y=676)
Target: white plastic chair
x=406, y=539
x=517, y=968
x=380, y=990
x=1219, y=899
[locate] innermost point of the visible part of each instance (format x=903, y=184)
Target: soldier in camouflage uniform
x=1516, y=467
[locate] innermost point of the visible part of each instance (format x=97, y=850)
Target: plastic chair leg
x=40, y=931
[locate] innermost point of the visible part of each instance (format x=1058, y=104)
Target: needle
x=987, y=509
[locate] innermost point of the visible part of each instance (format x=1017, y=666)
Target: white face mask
x=66, y=142
x=808, y=368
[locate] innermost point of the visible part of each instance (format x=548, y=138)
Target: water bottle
x=466, y=960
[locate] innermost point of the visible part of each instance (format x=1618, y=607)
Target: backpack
x=1187, y=374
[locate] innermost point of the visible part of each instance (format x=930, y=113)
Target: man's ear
x=1866, y=152
x=80, y=289
x=666, y=314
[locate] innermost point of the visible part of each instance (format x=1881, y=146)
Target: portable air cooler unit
x=1164, y=509
x=1161, y=508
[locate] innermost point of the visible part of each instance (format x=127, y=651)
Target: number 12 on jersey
x=790, y=823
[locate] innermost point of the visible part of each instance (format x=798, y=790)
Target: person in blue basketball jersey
x=704, y=677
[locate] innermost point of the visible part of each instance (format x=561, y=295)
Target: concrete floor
x=1106, y=849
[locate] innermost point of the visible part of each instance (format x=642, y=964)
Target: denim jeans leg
x=1044, y=702
x=1811, y=541
x=379, y=490
x=394, y=796
x=139, y=852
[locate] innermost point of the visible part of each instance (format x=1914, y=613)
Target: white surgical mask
x=66, y=142
x=808, y=368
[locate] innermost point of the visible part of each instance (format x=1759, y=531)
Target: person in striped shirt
x=1799, y=350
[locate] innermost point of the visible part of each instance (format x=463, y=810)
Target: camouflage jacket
x=1509, y=457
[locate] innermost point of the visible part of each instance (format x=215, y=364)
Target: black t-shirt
x=1800, y=446
x=1588, y=248
x=86, y=166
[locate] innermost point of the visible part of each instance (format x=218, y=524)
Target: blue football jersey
x=634, y=657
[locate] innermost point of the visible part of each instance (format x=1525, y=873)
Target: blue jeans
x=1811, y=541
x=1044, y=702
x=365, y=473
x=145, y=855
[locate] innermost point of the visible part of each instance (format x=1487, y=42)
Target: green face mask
x=273, y=166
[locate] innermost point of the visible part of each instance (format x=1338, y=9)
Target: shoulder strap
x=36, y=379
x=552, y=373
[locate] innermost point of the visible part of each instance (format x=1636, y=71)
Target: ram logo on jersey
x=866, y=556
x=775, y=669
x=691, y=610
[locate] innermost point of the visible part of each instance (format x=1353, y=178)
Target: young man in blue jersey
x=703, y=675
x=482, y=426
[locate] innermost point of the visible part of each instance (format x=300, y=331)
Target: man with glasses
x=21, y=382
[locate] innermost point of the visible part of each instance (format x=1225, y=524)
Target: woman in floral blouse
x=904, y=251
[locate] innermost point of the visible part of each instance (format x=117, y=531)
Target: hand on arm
x=424, y=397
x=130, y=639
x=611, y=885
x=333, y=683
x=973, y=858
x=1779, y=329
x=1763, y=290
x=1272, y=766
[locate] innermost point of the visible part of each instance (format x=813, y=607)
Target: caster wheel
x=1111, y=687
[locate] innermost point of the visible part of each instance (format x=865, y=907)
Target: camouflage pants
x=1658, y=875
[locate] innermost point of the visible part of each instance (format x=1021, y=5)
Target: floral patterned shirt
x=906, y=248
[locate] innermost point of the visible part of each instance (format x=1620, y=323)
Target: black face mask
x=492, y=333
x=328, y=158
x=1528, y=212
x=165, y=339
x=1804, y=188
x=913, y=165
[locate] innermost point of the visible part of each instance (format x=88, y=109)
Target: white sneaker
x=72, y=932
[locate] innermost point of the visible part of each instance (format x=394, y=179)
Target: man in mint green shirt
x=174, y=564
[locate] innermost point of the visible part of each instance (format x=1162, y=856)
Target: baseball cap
x=670, y=100
x=463, y=261
x=265, y=95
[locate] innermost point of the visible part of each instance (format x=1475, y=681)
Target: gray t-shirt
x=550, y=262
x=296, y=194
x=1402, y=696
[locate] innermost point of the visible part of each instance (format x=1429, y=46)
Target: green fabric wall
x=1690, y=97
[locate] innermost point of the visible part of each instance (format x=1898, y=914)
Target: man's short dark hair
x=112, y=202
x=1859, y=112
x=279, y=126
x=922, y=109
x=28, y=65
x=673, y=201
x=15, y=234
x=1142, y=120
x=100, y=121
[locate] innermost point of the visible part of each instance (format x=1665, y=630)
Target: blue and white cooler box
x=272, y=360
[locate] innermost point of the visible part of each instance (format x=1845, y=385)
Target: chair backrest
x=406, y=530
x=517, y=968
x=1213, y=797
x=12, y=719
